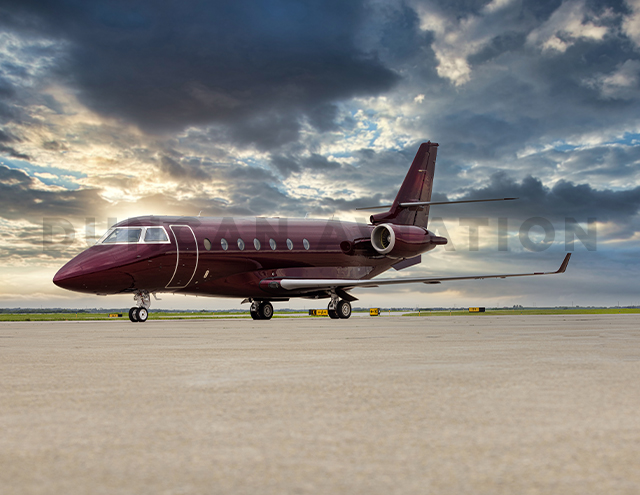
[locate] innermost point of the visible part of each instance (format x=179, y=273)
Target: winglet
x=565, y=262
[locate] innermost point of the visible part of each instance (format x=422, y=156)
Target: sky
x=113, y=109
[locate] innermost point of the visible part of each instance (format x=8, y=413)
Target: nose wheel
x=140, y=313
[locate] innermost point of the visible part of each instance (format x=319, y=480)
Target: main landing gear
x=140, y=313
x=339, y=308
x=261, y=310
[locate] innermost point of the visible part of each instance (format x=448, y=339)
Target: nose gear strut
x=141, y=312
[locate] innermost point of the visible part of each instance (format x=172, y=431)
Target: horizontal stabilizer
x=431, y=203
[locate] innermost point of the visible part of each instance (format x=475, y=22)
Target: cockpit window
x=123, y=235
x=155, y=234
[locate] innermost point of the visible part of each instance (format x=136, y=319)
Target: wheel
x=132, y=315
x=142, y=314
x=332, y=313
x=265, y=310
x=254, y=315
x=344, y=309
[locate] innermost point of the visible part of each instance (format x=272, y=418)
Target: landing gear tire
x=142, y=314
x=138, y=315
x=333, y=314
x=254, y=315
x=265, y=310
x=344, y=309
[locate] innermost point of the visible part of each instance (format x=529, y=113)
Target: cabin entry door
x=186, y=256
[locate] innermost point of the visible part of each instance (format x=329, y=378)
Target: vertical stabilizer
x=416, y=187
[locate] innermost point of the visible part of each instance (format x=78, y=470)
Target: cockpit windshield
x=123, y=235
x=155, y=234
x=135, y=235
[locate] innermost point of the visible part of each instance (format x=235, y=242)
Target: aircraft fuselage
x=229, y=257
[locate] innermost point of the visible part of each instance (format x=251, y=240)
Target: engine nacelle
x=403, y=241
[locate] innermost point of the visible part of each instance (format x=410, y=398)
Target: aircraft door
x=187, y=256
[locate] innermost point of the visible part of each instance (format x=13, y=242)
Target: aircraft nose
x=97, y=271
x=66, y=275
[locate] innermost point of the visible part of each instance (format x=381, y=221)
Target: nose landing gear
x=141, y=312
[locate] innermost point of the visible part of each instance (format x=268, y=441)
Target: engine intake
x=383, y=238
x=403, y=241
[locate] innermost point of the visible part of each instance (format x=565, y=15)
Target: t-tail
x=416, y=188
x=411, y=206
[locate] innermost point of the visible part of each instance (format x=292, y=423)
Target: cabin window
x=123, y=235
x=155, y=234
x=241, y=244
x=207, y=244
x=290, y=244
x=224, y=244
x=273, y=244
x=305, y=243
x=256, y=244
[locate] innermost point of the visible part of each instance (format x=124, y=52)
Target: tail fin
x=416, y=187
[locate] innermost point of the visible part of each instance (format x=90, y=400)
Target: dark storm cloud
x=285, y=165
x=594, y=165
x=381, y=171
x=19, y=199
x=502, y=43
x=457, y=8
x=540, y=100
x=8, y=150
x=520, y=94
x=183, y=170
x=267, y=130
x=331, y=205
x=5, y=138
x=26, y=243
x=248, y=65
x=6, y=89
x=393, y=31
x=251, y=191
x=564, y=199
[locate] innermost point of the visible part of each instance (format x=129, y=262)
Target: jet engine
x=403, y=241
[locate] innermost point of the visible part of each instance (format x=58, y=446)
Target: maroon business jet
x=266, y=259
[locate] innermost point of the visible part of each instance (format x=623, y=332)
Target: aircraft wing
x=297, y=284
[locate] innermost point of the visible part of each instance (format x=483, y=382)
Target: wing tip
x=564, y=264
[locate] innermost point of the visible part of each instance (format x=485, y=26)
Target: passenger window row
x=256, y=244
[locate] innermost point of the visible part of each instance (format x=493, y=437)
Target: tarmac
x=388, y=405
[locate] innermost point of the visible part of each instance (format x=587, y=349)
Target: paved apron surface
x=477, y=404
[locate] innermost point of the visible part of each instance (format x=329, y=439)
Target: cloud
x=622, y=83
x=564, y=199
x=250, y=67
x=567, y=25
x=6, y=137
x=631, y=23
x=21, y=197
